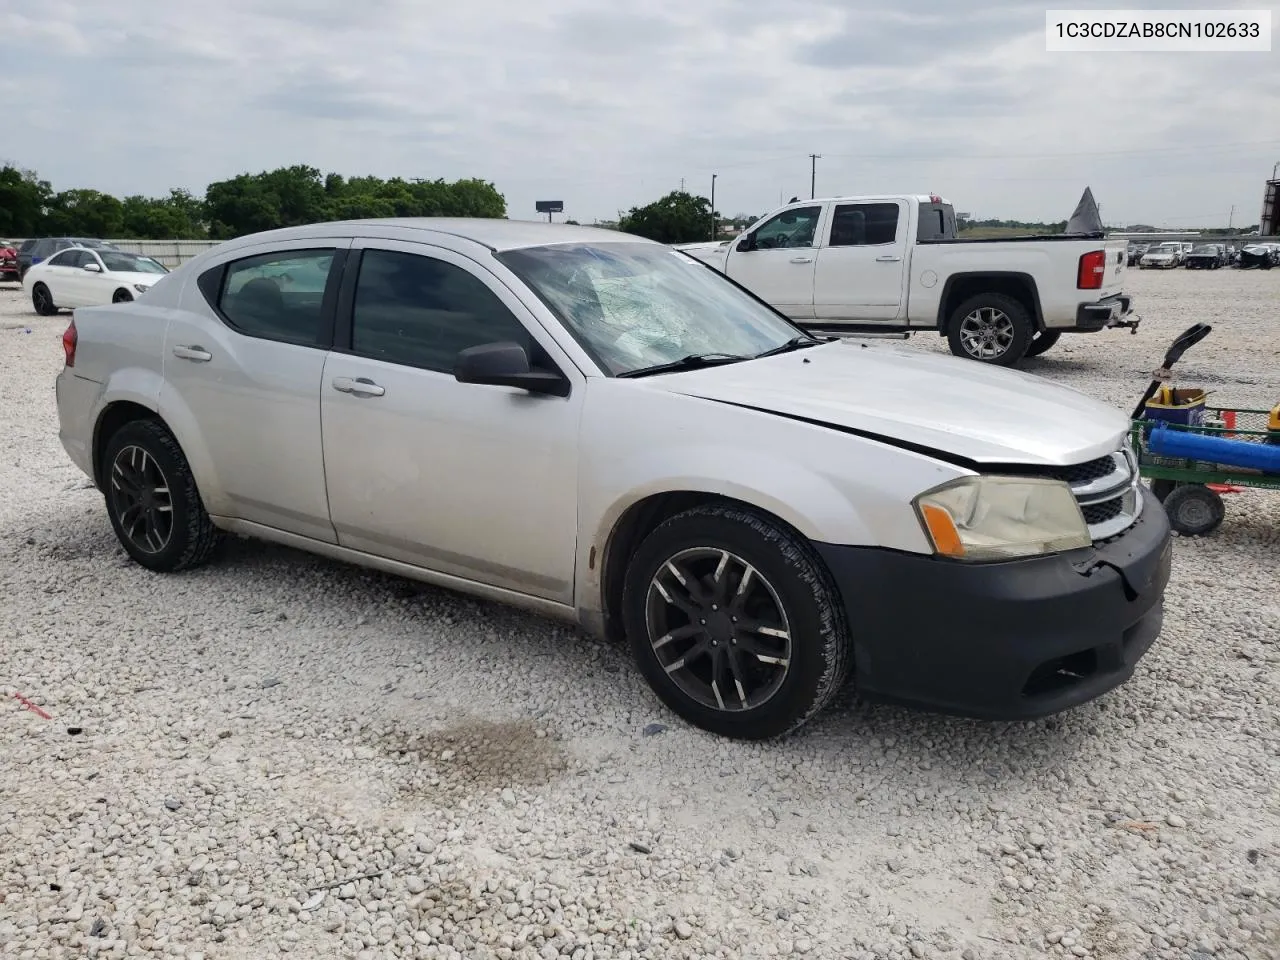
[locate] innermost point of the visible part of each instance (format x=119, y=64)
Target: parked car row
x=1202, y=256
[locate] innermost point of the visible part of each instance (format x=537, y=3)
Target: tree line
x=287, y=197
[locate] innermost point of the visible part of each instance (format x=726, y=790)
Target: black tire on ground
x=42, y=300
x=1194, y=510
x=1162, y=488
x=990, y=328
x=1042, y=342
x=150, y=490
x=122, y=296
x=752, y=610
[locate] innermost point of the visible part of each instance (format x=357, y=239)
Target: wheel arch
x=1019, y=285
x=640, y=518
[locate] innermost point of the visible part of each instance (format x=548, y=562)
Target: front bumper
x=1004, y=641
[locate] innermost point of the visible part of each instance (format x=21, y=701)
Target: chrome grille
x=1107, y=490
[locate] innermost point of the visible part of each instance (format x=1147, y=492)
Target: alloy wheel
x=719, y=629
x=987, y=333
x=141, y=499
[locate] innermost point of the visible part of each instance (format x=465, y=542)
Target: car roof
x=497, y=235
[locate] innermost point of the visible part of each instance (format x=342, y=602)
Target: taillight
x=1093, y=267
x=69, y=343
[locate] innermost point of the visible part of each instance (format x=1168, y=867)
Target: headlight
x=141, y=287
x=999, y=518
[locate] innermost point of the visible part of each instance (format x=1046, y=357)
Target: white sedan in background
x=80, y=277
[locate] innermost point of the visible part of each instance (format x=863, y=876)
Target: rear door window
x=277, y=296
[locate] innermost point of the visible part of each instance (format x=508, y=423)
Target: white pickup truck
x=894, y=263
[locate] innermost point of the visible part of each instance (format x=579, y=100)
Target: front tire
x=1042, y=342
x=42, y=300
x=152, y=500
x=122, y=296
x=735, y=622
x=990, y=328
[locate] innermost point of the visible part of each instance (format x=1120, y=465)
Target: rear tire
x=1194, y=510
x=152, y=500
x=751, y=609
x=42, y=300
x=990, y=328
x=1042, y=342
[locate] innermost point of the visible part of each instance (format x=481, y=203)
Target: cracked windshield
x=634, y=305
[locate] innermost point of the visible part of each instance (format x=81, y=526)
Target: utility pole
x=813, y=174
x=682, y=184
x=713, y=205
x=1232, y=218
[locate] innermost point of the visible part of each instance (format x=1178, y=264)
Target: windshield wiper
x=694, y=361
x=795, y=343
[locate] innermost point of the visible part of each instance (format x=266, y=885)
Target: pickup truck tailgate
x=1117, y=267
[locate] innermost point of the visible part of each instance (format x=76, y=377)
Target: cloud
x=606, y=107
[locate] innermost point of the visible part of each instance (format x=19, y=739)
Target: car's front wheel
x=122, y=296
x=152, y=500
x=735, y=623
x=42, y=300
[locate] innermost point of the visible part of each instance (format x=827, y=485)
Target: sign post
x=549, y=207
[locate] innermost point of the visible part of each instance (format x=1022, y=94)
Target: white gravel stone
x=517, y=846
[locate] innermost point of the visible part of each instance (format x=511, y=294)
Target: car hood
x=961, y=408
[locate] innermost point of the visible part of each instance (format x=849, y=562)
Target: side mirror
x=748, y=242
x=93, y=268
x=505, y=364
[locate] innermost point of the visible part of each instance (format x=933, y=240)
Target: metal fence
x=171, y=253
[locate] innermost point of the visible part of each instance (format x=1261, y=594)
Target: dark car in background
x=1206, y=256
x=1261, y=255
x=1136, y=250
x=34, y=251
x=9, y=261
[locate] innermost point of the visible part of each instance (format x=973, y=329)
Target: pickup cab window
x=791, y=228
x=864, y=224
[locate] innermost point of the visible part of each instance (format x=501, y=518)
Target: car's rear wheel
x=152, y=500
x=735, y=623
x=990, y=328
x=1042, y=342
x=122, y=296
x=42, y=300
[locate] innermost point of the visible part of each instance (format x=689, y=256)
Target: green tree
x=85, y=213
x=678, y=217
x=23, y=201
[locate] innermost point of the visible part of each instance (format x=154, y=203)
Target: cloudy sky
x=609, y=105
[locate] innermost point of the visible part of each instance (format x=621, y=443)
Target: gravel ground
x=283, y=755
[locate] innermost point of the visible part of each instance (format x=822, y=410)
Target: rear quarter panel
x=1052, y=265
x=118, y=349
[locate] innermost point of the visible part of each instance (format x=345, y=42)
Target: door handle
x=361, y=386
x=887, y=259
x=197, y=353
x=802, y=259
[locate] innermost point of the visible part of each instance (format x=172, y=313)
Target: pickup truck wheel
x=152, y=500
x=1042, y=342
x=735, y=622
x=990, y=328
